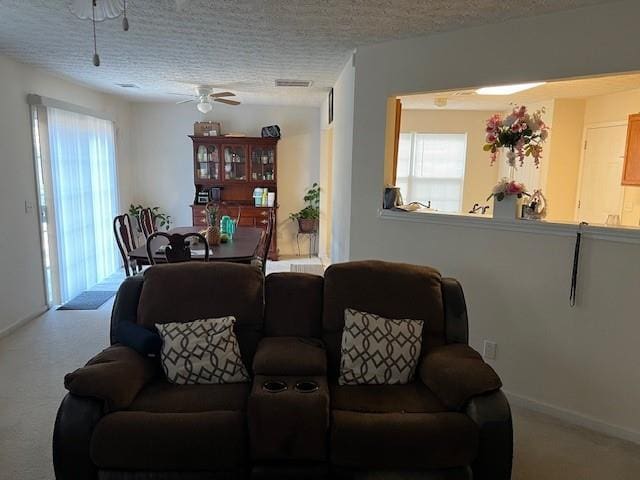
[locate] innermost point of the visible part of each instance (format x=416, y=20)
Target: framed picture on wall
x=331, y=105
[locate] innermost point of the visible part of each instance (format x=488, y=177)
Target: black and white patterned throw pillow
x=377, y=350
x=202, y=351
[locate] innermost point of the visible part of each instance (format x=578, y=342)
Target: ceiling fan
x=205, y=97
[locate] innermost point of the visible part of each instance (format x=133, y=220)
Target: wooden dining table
x=241, y=249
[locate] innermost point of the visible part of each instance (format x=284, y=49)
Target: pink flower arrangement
x=506, y=187
x=520, y=133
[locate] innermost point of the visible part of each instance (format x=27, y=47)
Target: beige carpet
x=34, y=359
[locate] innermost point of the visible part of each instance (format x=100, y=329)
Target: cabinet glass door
x=202, y=163
x=235, y=162
x=213, y=158
x=263, y=164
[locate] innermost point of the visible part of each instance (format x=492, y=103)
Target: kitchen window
x=431, y=169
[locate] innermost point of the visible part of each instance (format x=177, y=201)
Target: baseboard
x=574, y=418
x=16, y=325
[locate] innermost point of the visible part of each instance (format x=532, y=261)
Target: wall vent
x=127, y=85
x=293, y=83
x=463, y=93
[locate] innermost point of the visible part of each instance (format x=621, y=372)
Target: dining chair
x=262, y=252
x=178, y=249
x=126, y=241
x=147, y=222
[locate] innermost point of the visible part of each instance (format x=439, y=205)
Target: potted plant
x=309, y=216
x=162, y=219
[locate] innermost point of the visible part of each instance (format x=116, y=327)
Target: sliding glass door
x=77, y=162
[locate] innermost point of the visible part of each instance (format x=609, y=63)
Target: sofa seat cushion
x=165, y=397
x=170, y=441
x=397, y=440
x=410, y=398
x=290, y=356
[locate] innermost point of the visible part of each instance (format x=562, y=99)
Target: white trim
x=574, y=418
x=39, y=100
x=16, y=325
x=617, y=234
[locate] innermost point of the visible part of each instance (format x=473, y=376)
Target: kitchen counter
x=541, y=227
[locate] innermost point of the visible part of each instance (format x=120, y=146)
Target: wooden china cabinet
x=232, y=168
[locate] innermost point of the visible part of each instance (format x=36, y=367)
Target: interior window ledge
x=613, y=234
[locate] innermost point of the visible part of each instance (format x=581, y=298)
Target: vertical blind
x=83, y=177
x=431, y=169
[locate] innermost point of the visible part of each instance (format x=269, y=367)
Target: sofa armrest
x=115, y=375
x=492, y=415
x=455, y=373
x=76, y=418
x=290, y=356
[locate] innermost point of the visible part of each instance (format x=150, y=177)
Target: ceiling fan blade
x=184, y=101
x=222, y=94
x=228, y=102
x=180, y=94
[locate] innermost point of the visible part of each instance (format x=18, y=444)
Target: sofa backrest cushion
x=293, y=305
x=391, y=290
x=183, y=292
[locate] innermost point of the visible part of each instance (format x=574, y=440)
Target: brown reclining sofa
x=122, y=420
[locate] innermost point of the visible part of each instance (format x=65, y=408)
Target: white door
x=600, y=190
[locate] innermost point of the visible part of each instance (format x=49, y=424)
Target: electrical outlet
x=489, y=350
x=28, y=206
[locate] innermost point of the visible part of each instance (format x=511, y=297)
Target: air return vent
x=293, y=83
x=127, y=85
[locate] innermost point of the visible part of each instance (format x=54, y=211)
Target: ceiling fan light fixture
x=204, y=107
x=104, y=9
x=508, y=89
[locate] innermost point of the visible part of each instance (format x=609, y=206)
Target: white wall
x=584, y=359
x=163, y=156
x=343, y=118
x=21, y=281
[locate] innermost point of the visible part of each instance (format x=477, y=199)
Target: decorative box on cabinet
x=236, y=166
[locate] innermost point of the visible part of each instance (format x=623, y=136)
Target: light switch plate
x=489, y=350
x=28, y=206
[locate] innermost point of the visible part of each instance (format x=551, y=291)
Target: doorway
x=601, y=193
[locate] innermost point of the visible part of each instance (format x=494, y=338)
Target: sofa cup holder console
x=274, y=386
x=301, y=386
x=306, y=386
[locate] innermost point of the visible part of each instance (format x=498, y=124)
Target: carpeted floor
x=34, y=359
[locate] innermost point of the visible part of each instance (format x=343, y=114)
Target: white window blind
x=431, y=169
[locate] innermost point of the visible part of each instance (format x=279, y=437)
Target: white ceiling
x=243, y=45
x=576, y=88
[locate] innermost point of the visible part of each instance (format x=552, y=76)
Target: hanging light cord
x=96, y=58
x=125, y=20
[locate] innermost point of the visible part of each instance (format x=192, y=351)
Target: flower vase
x=508, y=208
x=213, y=236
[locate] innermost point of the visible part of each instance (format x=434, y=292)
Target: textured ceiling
x=469, y=100
x=242, y=45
